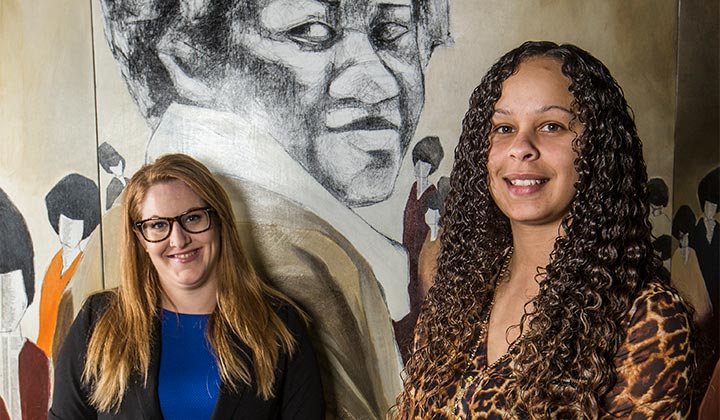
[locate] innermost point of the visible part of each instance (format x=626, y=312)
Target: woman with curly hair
x=549, y=301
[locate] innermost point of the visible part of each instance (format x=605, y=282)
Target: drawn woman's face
x=709, y=210
x=70, y=231
x=338, y=84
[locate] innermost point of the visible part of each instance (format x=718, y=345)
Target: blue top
x=189, y=379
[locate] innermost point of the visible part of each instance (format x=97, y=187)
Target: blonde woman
x=192, y=331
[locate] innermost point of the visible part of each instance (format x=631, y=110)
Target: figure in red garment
x=426, y=157
x=25, y=388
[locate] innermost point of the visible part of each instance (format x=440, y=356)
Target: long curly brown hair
x=595, y=271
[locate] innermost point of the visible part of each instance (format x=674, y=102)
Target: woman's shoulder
x=291, y=315
x=96, y=304
x=659, y=299
x=658, y=311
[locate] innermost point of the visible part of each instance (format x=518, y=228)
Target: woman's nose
x=179, y=238
x=524, y=147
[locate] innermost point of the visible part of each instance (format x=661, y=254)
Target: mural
x=307, y=110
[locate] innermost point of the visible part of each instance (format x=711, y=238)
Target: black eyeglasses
x=157, y=229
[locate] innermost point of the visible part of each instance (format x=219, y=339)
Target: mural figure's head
x=709, y=193
x=433, y=210
x=17, y=274
x=581, y=151
x=145, y=273
x=426, y=156
x=110, y=160
x=682, y=224
x=339, y=83
x=73, y=209
x=658, y=193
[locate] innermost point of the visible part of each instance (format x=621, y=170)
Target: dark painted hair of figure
x=16, y=246
x=434, y=203
x=75, y=197
x=428, y=150
x=108, y=157
x=663, y=247
x=658, y=192
x=443, y=187
x=709, y=188
x=596, y=269
x=683, y=222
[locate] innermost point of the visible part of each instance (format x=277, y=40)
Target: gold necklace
x=502, y=275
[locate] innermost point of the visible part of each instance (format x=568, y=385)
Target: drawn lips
x=368, y=123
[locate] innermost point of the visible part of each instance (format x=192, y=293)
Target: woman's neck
x=192, y=302
x=532, y=248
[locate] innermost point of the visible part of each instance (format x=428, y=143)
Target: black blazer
x=298, y=393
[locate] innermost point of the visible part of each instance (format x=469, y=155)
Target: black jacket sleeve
x=70, y=395
x=302, y=394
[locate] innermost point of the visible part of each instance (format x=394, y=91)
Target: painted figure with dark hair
x=549, y=300
x=426, y=157
x=658, y=196
x=705, y=240
x=685, y=274
x=113, y=163
x=73, y=211
x=25, y=385
x=306, y=109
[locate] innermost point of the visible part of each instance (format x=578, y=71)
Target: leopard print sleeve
x=656, y=362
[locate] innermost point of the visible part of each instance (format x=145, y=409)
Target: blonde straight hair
x=120, y=342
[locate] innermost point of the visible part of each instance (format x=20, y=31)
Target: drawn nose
x=361, y=74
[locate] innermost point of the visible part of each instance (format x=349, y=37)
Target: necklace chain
x=468, y=380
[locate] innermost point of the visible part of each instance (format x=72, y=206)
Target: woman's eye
x=502, y=129
x=388, y=32
x=159, y=225
x=552, y=127
x=315, y=35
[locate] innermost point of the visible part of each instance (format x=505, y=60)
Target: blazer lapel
x=229, y=401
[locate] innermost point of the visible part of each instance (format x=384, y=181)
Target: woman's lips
x=185, y=257
x=525, y=184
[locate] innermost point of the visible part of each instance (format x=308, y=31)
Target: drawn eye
x=389, y=32
x=315, y=35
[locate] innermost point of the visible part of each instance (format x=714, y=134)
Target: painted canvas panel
x=331, y=124
x=697, y=169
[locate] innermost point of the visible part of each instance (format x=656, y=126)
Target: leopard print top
x=654, y=367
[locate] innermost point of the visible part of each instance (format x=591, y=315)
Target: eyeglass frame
x=172, y=220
